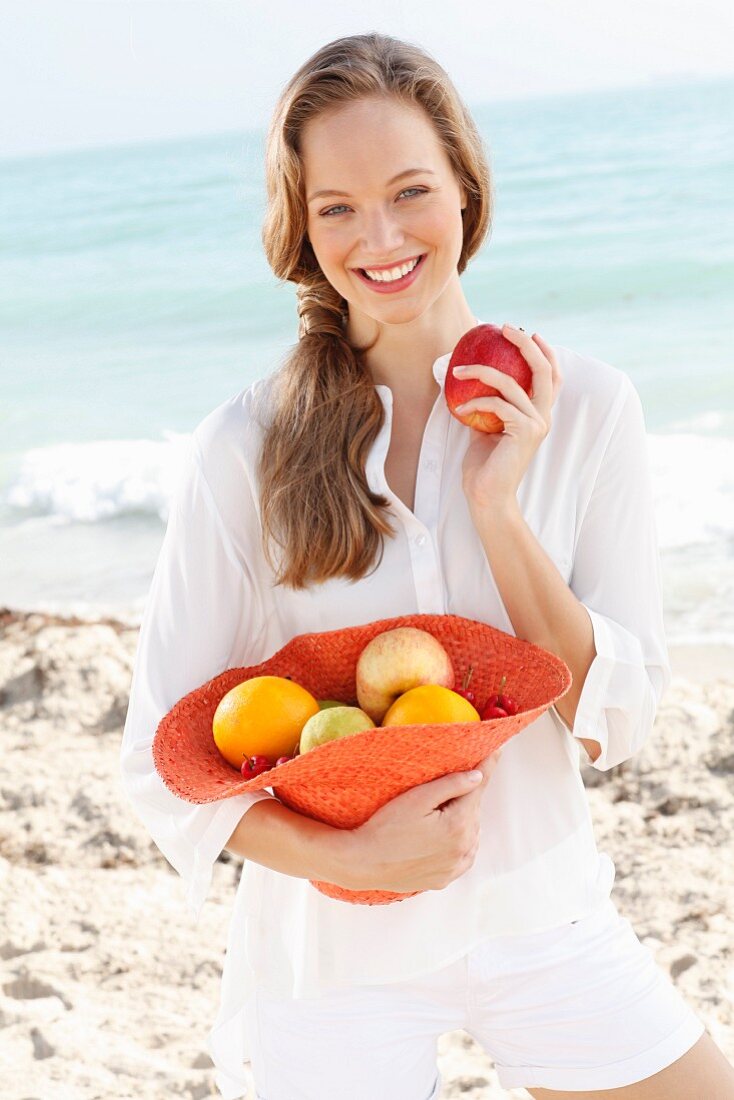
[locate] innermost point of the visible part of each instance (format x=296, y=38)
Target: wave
x=96, y=481
x=99, y=481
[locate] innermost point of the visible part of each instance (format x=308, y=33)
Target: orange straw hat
x=344, y=781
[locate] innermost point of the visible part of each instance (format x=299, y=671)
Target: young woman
x=383, y=504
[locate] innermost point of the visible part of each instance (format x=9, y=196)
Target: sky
x=82, y=73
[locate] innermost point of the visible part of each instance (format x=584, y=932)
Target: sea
x=135, y=297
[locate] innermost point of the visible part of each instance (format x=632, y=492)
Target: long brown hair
x=315, y=500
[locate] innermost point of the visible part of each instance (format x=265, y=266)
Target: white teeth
x=393, y=274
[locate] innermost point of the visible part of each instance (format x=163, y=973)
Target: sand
x=109, y=989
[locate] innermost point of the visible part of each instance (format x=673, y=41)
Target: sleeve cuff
x=212, y=843
x=617, y=688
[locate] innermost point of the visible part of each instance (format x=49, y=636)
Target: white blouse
x=587, y=496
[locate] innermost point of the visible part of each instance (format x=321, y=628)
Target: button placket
x=426, y=576
x=419, y=526
x=428, y=474
x=424, y=552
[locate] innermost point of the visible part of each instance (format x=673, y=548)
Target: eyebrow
x=346, y=195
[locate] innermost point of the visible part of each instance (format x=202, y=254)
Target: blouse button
x=420, y=540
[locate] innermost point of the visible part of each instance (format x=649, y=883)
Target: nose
x=382, y=236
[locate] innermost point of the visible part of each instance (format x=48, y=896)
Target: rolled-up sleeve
x=617, y=576
x=203, y=614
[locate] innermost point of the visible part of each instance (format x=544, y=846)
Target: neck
x=404, y=354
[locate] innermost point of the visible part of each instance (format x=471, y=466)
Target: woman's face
x=376, y=220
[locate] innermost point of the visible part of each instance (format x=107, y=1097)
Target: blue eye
x=328, y=213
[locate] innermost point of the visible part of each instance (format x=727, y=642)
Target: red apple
x=484, y=344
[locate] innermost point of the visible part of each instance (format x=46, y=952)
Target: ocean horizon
x=137, y=297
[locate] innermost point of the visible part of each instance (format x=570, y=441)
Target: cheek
x=441, y=223
x=328, y=245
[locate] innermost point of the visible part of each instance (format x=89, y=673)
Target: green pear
x=324, y=703
x=333, y=722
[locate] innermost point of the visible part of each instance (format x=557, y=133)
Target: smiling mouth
x=389, y=267
x=396, y=284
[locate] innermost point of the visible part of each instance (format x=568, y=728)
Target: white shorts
x=581, y=1007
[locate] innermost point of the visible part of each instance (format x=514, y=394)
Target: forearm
x=541, y=606
x=294, y=844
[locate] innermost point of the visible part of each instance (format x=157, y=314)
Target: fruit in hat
x=395, y=661
x=430, y=704
x=331, y=723
x=499, y=705
x=483, y=344
x=262, y=715
x=465, y=690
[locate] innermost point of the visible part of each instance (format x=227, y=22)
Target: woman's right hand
x=424, y=838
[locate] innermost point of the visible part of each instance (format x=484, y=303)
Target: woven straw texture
x=344, y=782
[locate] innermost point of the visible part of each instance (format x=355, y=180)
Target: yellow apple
x=333, y=722
x=396, y=661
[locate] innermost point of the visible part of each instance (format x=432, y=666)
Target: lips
x=389, y=267
x=397, y=284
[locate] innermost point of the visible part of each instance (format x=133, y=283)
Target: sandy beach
x=109, y=989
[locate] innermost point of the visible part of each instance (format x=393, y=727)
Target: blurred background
x=135, y=298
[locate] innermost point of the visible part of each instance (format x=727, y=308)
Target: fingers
x=540, y=357
x=489, y=764
x=508, y=386
x=504, y=410
x=486, y=766
x=546, y=382
x=557, y=377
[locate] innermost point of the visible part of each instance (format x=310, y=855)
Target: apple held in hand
x=395, y=661
x=483, y=344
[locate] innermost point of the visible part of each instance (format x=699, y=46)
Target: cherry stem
x=467, y=678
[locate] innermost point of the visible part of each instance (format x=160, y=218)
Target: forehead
x=368, y=140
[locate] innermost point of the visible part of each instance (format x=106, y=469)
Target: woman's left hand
x=495, y=463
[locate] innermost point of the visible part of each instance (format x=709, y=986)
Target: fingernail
x=476, y=776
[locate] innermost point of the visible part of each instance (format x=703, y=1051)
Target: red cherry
x=493, y=712
x=464, y=691
x=283, y=760
x=468, y=695
x=504, y=701
x=254, y=765
x=260, y=761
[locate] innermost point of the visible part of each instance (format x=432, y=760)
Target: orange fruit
x=428, y=704
x=262, y=715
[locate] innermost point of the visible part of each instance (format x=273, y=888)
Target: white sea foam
x=59, y=550
x=693, y=479
x=692, y=474
x=93, y=482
